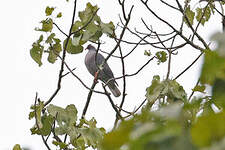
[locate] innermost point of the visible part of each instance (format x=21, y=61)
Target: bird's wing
x=108, y=74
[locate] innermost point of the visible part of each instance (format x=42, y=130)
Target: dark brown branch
x=60, y=29
x=133, y=74
x=111, y=101
x=68, y=72
x=168, y=24
x=190, y=26
x=121, y=36
x=88, y=99
x=188, y=66
x=169, y=5
x=132, y=113
x=124, y=86
x=63, y=58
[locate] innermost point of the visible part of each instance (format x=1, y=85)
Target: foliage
x=170, y=119
x=59, y=121
x=88, y=28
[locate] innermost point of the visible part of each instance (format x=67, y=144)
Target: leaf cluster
x=59, y=121
x=89, y=27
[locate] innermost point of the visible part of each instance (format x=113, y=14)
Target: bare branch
x=63, y=58
x=189, y=66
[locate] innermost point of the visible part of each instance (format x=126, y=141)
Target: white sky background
x=21, y=77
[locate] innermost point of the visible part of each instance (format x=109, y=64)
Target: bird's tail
x=113, y=88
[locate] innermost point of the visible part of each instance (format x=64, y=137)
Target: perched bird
x=105, y=74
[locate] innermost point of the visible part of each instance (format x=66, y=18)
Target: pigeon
x=105, y=74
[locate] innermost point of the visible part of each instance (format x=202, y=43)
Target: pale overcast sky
x=21, y=77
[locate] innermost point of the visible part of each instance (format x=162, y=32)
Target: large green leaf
x=66, y=118
x=107, y=28
x=170, y=88
x=218, y=93
x=37, y=50
x=86, y=15
x=208, y=129
x=150, y=131
x=72, y=49
x=213, y=67
x=44, y=122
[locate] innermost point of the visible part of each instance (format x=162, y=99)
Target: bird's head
x=90, y=47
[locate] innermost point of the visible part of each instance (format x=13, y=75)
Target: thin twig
x=133, y=74
x=192, y=93
x=188, y=66
x=68, y=72
x=60, y=29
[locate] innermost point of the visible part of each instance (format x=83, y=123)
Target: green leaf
x=59, y=15
x=192, y=108
x=161, y=56
x=54, y=48
x=31, y=115
x=91, y=32
x=147, y=53
x=62, y=145
x=38, y=118
x=17, y=147
x=47, y=122
x=76, y=40
x=213, y=67
x=89, y=11
x=107, y=28
x=48, y=10
x=170, y=88
x=190, y=15
x=208, y=129
x=115, y=139
x=91, y=136
x=147, y=131
x=218, y=93
x=52, y=57
x=50, y=38
x=37, y=50
x=203, y=15
x=38, y=113
x=76, y=26
x=72, y=49
x=199, y=88
x=66, y=118
x=153, y=91
x=47, y=25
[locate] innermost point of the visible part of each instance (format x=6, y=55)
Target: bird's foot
x=96, y=77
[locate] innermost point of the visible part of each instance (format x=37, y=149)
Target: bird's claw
x=96, y=77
